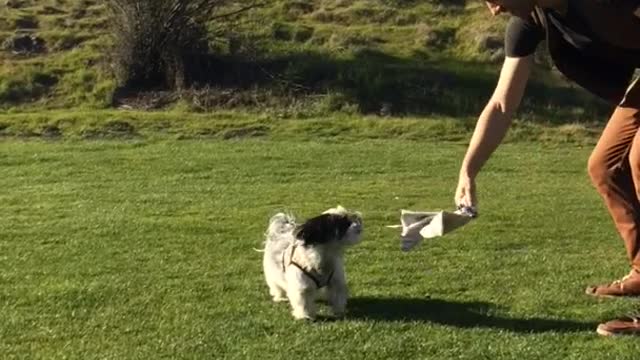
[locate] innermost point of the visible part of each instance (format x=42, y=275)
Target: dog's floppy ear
x=322, y=229
x=315, y=230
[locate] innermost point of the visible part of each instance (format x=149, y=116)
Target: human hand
x=494, y=8
x=465, y=196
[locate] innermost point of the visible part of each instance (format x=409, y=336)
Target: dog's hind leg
x=277, y=293
x=276, y=284
x=275, y=277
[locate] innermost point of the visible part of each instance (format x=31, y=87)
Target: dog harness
x=321, y=280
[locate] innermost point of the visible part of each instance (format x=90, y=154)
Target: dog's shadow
x=454, y=313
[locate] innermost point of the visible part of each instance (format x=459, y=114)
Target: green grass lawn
x=142, y=249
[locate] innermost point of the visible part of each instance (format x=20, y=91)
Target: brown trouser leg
x=614, y=167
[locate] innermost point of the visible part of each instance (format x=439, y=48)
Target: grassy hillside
x=303, y=58
x=66, y=72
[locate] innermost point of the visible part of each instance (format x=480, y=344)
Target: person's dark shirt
x=523, y=36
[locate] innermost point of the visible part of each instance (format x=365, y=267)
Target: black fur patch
x=323, y=229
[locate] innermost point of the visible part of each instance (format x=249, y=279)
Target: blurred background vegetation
x=295, y=58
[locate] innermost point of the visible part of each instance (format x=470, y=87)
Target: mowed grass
x=142, y=249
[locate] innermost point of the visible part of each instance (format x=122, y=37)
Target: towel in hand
x=419, y=225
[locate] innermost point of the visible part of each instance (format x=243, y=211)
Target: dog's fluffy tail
x=279, y=233
x=280, y=224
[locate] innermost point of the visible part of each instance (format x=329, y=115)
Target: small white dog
x=301, y=259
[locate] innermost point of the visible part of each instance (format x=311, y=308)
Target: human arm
x=492, y=125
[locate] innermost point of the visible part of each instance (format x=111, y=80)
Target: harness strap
x=307, y=272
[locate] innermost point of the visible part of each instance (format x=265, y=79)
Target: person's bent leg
x=631, y=105
x=613, y=165
x=625, y=215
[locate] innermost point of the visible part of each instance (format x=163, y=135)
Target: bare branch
x=156, y=39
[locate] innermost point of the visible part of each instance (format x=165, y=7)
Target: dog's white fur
x=286, y=281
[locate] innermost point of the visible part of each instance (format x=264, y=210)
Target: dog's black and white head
x=335, y=226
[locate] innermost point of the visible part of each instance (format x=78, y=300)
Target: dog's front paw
x=339, y=313
x=338, y=305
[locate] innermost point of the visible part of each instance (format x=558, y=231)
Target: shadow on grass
x=412, y=85
x=454, y=313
